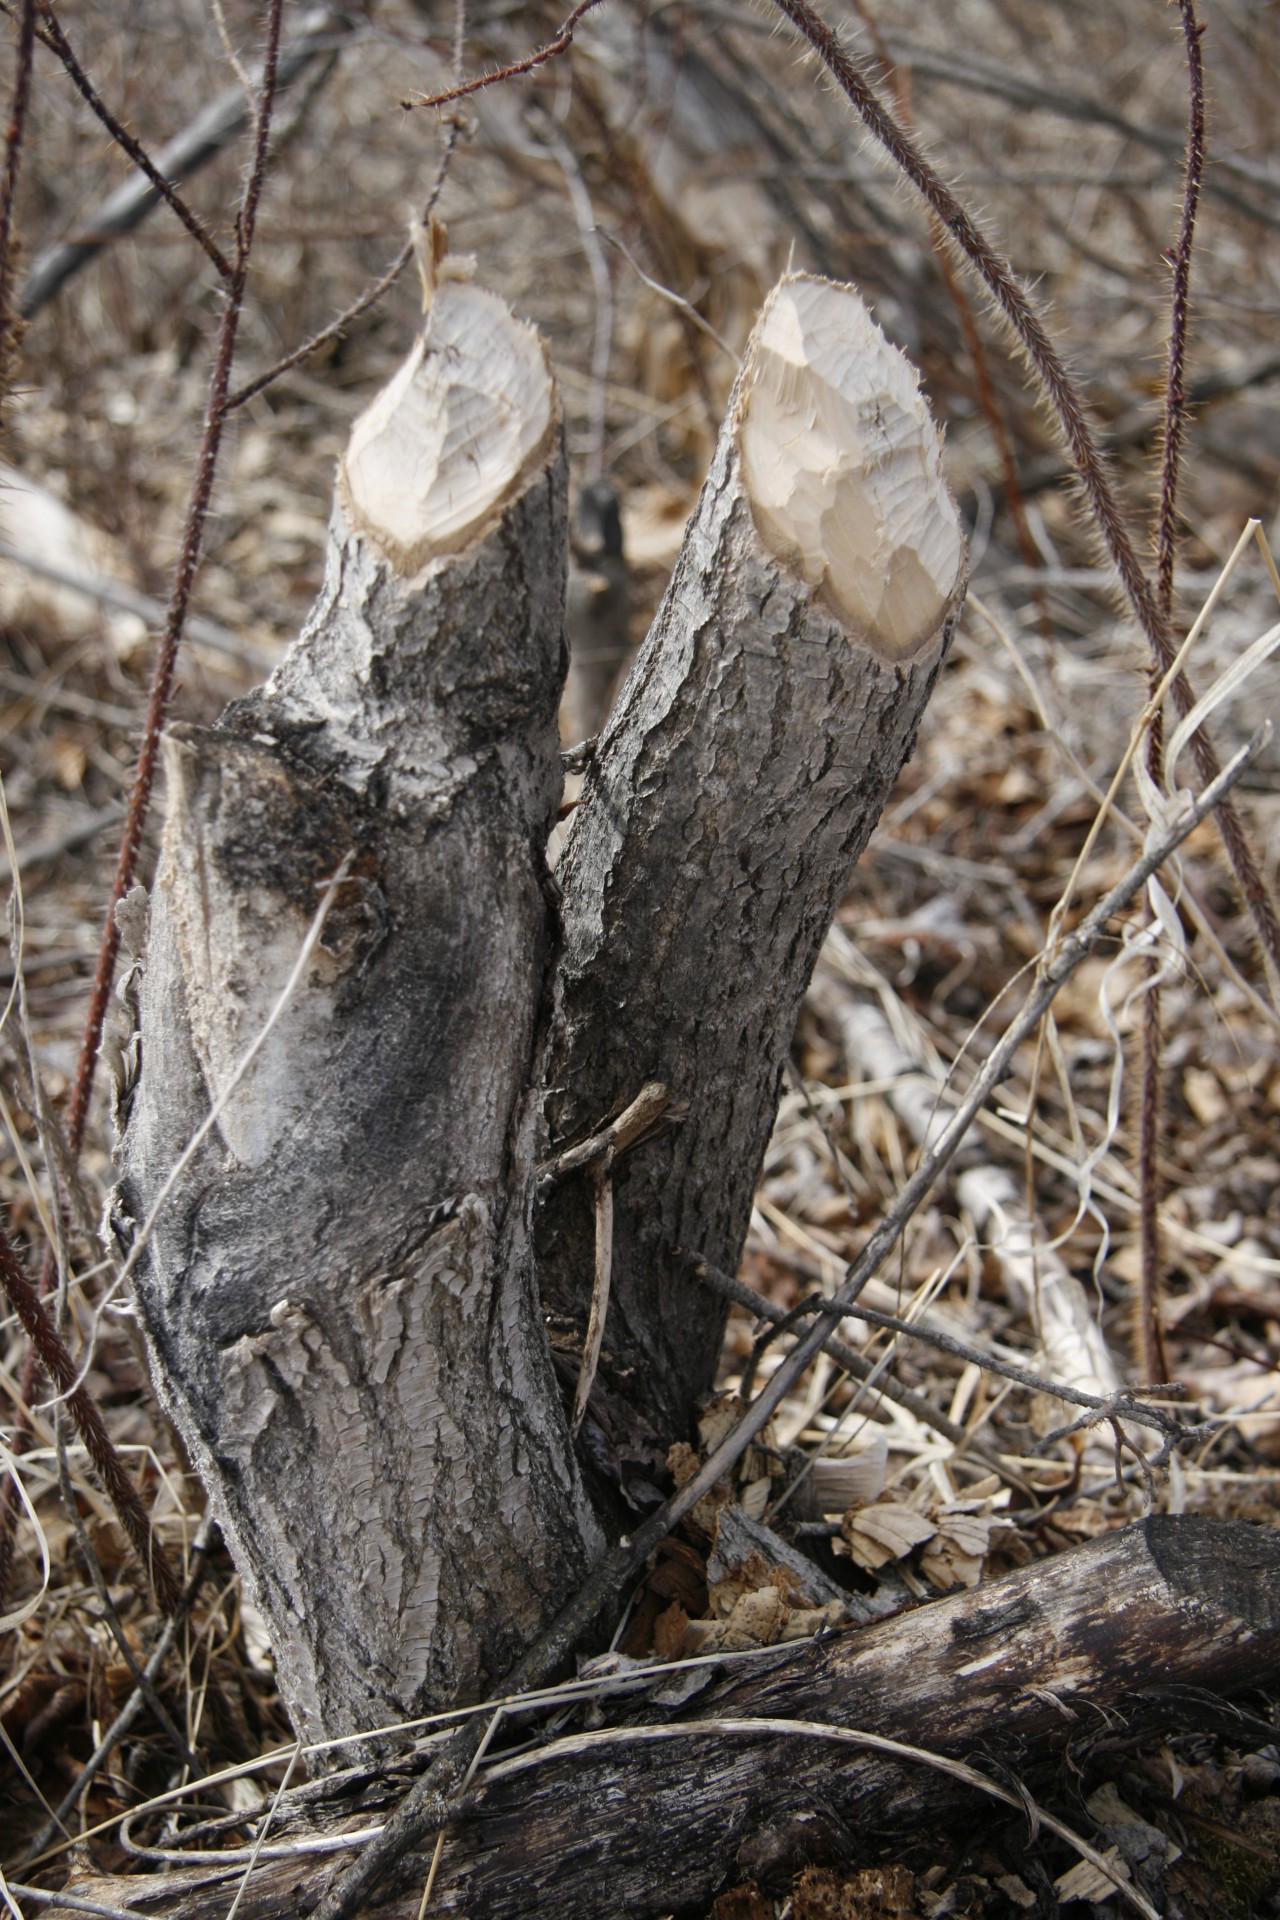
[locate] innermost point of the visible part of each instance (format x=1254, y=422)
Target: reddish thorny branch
x=1089, y=464
x=561, y=43
x=54, y=37
x=1149, y=1349
x=143, y=783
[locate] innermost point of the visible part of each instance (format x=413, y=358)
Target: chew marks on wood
x=434, y=458
x=843, y=466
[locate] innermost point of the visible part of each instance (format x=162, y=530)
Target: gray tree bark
x=338, y=1289
x=328, y=1168
x=751, y=752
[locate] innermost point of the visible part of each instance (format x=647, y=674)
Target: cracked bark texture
x=338, y=1291
x=752, y=750
x=328, y=1188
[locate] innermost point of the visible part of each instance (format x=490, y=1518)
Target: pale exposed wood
x=338, y=1292
x=434, y=458
x=843, y=475
x=1109, y=1635
x=1036, y=1278
x=751, y=750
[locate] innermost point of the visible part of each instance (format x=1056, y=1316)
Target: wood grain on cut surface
x=437, y=453
x=844, y=478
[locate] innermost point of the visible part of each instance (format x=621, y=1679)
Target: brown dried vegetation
x=636, y=196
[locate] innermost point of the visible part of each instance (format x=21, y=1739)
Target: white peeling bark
x=751, y=752
x=338, y=1290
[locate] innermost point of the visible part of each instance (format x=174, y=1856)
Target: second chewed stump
x=752, y=748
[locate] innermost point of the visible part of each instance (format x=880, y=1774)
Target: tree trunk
x=338, y=1284
x=657, y=1813
x=338, y=1289
x=751, y=752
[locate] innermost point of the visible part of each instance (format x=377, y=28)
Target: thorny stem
x=52, y=1354
x=1150, y=1351
x=370, y=297
x=429, y=1805
x=1088, y=462
x=561, y=43
x=374, y=292
x=56, y=39
x=14, y=137
x=180, y=598
x=1175, y=402
x=984, y=385
x=158, y=700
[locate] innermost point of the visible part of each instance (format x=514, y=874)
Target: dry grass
x=711, y=154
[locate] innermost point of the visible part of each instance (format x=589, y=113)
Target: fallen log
x=658, y=1810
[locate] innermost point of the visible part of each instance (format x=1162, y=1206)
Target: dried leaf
x=883, y=1532
x=955, y=1558
x=668, y=1632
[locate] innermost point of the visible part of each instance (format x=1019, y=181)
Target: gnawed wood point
x=843, y=466
x=433, y=459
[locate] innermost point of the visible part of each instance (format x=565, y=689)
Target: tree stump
x=338, y=1275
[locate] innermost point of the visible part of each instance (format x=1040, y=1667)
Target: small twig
x=652, y=1104
x=42, y=1897
x=1099, y=1407
x=430, y=1804
x=461, y=88
x=19, y=101
x=578, y=758
x=56, y=39
x=208, y=134
x=134, y=1704
x=228, y=47
x=596, y=1155
x=93, y=1568
x=602, y=1180
x=76, y=833
x=113, y=593
x=741, y=1295
x=371, y=295
x=48, y=1347
x=669, y=294
x=602, y=284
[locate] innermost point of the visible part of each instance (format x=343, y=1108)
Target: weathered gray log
x=338, y=1290
x=601, y=1823
x=751, y=751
